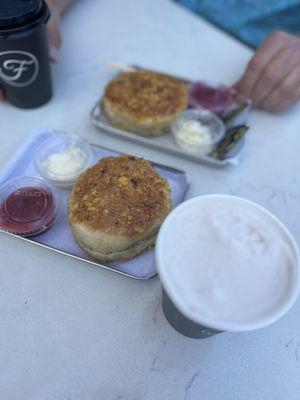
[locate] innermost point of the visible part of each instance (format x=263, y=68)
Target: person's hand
x=272, y=77
x=53, y=28
x=57, y=7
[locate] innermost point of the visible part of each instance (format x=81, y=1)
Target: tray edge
x=207, y=161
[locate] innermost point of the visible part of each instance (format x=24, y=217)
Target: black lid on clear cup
x=19, y=15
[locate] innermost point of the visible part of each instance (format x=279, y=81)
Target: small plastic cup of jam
x=215, y=99
x=220, y=100
x=28, y=206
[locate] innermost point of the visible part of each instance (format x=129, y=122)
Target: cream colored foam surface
x=228, y=262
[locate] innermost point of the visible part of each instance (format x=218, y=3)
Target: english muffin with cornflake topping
x=144, y=102
x=117, y=206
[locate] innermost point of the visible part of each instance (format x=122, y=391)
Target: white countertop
x=71, y=331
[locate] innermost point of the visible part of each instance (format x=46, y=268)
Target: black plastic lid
x=16, y=15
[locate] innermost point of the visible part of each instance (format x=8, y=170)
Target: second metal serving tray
x=165, y=142
x=235, y=122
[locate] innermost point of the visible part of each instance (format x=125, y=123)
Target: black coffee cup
x=25, y=74
x=183, y=324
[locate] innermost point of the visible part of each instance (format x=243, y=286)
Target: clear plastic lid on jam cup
x=59, y=143
x=220, y=99
x=192, y=143
x=28, y=206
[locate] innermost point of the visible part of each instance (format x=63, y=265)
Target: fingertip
x=270, y=107
x=242, y=86
x=53, y=53
x=237, y=84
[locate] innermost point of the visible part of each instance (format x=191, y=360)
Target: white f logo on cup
x=18, y=68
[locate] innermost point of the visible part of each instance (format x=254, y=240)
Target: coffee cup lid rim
x=32, y=13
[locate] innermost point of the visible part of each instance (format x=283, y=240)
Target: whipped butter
x=65, y=163
x=198, y=131
x=194, y=132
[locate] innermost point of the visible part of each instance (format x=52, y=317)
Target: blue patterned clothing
x=249, y=20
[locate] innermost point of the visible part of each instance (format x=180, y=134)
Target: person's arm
x=57, y=7
x=272, y=77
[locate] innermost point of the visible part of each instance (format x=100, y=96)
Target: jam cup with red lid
x=28, y=206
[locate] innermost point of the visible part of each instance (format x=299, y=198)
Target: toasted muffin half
x=117, y=206
x=144, y=102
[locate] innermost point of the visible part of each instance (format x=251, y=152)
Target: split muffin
x=117, y=206
x=144, y=102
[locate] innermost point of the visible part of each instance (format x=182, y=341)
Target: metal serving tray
x=59, y=237
x=165, y=142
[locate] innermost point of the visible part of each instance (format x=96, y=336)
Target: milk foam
x=226, y=260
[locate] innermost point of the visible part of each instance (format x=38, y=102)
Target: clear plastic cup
x=28, y=206
x=58, y=145
x=210, y=130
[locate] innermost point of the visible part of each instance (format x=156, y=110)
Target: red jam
x=27, y=211
x=217, y=100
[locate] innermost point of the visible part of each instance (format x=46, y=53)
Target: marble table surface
x=71, y=331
